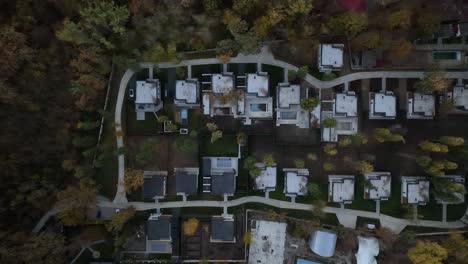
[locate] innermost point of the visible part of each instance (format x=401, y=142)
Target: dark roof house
x=154, y=184
x=186, y=180
x=158, y=234
x=222, y=229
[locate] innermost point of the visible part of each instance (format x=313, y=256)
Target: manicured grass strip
x=223, y=147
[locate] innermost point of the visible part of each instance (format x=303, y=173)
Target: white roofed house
x=414, y=190
x=377, y=186
x=295, y=182
x=288, y=106
x=266, y=181
x=460, y=97
x=148, y=97
x=344, y=110
x=382, y=105
x=218, y=94
x=420, y=106
x=256, y=104
x=341, y=189
x=330, y=57
x=187, y=93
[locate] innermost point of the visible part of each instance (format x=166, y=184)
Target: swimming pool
x=258, y=107
x=446, y=55
x=303, y=261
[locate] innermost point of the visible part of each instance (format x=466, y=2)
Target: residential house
x=343, y=108
x=450, y=197
x=420, y=106
x=158, y=234
x=256, y=102
x=154, y=184
x=223, y=229
x=288, y=106
x=330, y=57
x=266, y=181
x=377, y=186
x=148, y=97
x=219, y=175
x=341, y=189
x=186, y=181
x=220, y=96
x=382, y=105
x=414, y=190
x=295, y=181
x=460, y=97
x=187, y=93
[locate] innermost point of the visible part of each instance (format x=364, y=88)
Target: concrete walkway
x=347, y=217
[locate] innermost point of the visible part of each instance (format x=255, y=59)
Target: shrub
x=299, y=163
x=359, y=139
x=364, y=167
x=433, y=147
x=327, y=166
x=268, y=160
x=309, y=103
x=216, y=135
x=212, y=126
x=330, y=150
x=302, y=71
x=249, y=163
x=190, y=226
x=344, y=141
x=312, y=156
x=329, y=122
x=452, y=141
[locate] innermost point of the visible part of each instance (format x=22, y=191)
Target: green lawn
x=359, y=202
x=223, y=147
x=393, y=205
x=278, y=194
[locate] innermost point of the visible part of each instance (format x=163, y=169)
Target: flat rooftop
x=421, y=105
x=222, y=229
x=147, y=92
x=154, y=184
x=222, y=82
x=346, y=103
x=341, y=188
x=460, y=96
x=331, y=55
x=381, y=185
x=187, y=90
x=268, y=242
x=414, y=190
x=257, y=84
x=296, y=181
x=382, y=105
x=186, y=180
x=267, y=178
x=289, y=95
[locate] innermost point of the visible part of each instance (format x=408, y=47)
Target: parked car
x=131, y=94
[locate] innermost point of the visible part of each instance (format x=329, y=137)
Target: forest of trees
x=56, y=56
